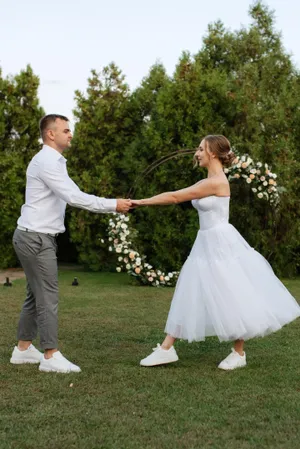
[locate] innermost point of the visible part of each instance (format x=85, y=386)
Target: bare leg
x=168, y=342
x=239, y=346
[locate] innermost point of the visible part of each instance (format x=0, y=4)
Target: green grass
x=107, y=326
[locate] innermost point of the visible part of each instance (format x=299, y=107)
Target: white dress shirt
x=49, y=189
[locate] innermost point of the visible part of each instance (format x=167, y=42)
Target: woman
x=225, y=287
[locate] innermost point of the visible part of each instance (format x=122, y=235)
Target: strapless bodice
x=212, y=211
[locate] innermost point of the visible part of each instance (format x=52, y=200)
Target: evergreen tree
x=105, y=124
x=19, y=141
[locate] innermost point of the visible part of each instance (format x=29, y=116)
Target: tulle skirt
x=227, y=289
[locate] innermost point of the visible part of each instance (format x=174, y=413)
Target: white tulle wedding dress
x=225, y=287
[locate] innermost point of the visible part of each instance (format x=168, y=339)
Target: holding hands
x=123, y=205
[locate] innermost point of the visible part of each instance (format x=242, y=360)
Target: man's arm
x=57, y=179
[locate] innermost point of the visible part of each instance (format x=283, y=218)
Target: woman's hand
x=136, y=203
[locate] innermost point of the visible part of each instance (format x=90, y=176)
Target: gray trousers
x=37, y=254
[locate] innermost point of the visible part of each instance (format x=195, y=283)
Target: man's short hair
x=49, y=119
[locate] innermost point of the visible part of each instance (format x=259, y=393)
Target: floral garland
x=119, y=229
x=129, y=258
x=257, y=174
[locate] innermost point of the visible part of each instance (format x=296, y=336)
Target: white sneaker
x=58, y=364
x=233, y=360
x=160, y=356
x=30, y=355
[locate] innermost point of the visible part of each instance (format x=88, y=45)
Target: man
x=48, y=190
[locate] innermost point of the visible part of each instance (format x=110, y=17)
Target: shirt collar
x=54, y=152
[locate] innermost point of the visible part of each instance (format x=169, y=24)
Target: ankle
x=49, y=353
x=23, y=345
x=166, y=347
x=240, y=352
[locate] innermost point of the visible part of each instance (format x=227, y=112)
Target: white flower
x=128, y=266
x=260, y=195
x=110, y=239
x=102, y=241
x=126, y=219
x=112, y=224
x=265, y=183
x=157, y=282
x=122, y=216
x=170, y=275
x=259, y=164
x=274, y=175
x=254, y=190
x=110, y=248
x=118, y=269
x=248, y=180
x=226, y=170
x=253, y=170
x=262, y=178
x=125, y=251
x=124, y=226
x=167, y=278
x=120, y=259
x=118, y=250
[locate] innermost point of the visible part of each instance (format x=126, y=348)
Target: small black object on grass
x=7, y=283
x=75, y=282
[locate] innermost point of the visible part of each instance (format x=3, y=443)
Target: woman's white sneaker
x=160, y=356
x=233, y=360
x=58, y=364
x=30, y=355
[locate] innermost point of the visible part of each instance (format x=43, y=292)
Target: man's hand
x=123, y=205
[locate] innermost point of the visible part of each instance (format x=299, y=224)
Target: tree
x=19, y=141
x=106, y=122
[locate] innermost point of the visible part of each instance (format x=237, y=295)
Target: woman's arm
x=199, y=190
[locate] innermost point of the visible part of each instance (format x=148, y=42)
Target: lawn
x=107, y=326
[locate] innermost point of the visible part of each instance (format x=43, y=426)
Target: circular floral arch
x=263, y=185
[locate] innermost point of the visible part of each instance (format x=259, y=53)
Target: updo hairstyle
x=220, y=147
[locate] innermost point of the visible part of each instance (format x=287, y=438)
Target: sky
x=64, y=40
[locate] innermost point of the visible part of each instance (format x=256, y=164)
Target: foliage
x=103, y=130
x=19, y=141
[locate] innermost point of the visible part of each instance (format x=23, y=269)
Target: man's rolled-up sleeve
x=56, y=177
